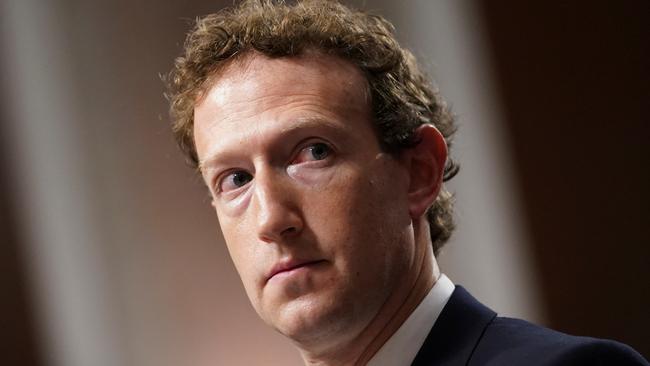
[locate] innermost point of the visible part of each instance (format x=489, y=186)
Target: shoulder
x=510, y=341
x=469, y=333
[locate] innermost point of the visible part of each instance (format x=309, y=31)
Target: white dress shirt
x=402, y=347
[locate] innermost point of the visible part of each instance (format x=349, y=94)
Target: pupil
x=319, y=151
x=240, y=178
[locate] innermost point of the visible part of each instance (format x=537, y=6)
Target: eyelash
x=220, y=181
x=310, y=146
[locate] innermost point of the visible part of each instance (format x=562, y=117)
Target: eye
x=234, y=180
x=314, y=152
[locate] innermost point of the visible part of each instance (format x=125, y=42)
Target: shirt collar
x=402, y=347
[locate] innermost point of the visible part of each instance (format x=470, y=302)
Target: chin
x=309, y=319
x=322, y=319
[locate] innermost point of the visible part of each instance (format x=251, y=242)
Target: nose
x=276, y=208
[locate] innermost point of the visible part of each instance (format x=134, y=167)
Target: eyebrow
x=303, y=123
x=299, y=124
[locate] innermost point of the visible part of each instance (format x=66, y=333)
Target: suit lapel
x=456, y=333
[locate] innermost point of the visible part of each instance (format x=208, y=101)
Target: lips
x=288, y=265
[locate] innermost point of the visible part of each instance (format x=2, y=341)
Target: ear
x=426, y=164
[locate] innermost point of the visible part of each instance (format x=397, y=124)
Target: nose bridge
x=275, y=206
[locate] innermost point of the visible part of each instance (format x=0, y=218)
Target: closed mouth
x=289, y=267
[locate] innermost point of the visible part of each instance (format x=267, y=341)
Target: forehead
x=311, y=72
x=258, y=93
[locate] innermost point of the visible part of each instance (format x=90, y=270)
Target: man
x=325, y=150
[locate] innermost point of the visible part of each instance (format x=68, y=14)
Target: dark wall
x=18, y=342
x=575, y=81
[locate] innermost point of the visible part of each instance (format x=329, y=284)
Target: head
x=312, y=128
x=401, y=96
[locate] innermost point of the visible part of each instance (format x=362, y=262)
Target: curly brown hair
x=401, y=95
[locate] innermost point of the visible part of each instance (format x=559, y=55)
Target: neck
x=392, y=314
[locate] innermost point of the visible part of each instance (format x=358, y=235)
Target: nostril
x=289, y=230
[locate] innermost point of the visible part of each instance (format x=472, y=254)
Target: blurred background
x=111, y=255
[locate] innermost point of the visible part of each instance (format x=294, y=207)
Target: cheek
x=358, y=211
x=238, y=242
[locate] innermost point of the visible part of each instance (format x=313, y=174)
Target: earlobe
x=427, y=163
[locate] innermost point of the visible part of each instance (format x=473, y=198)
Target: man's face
x=314, y=214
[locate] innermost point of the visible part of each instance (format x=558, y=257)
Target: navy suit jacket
x=469, y=333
